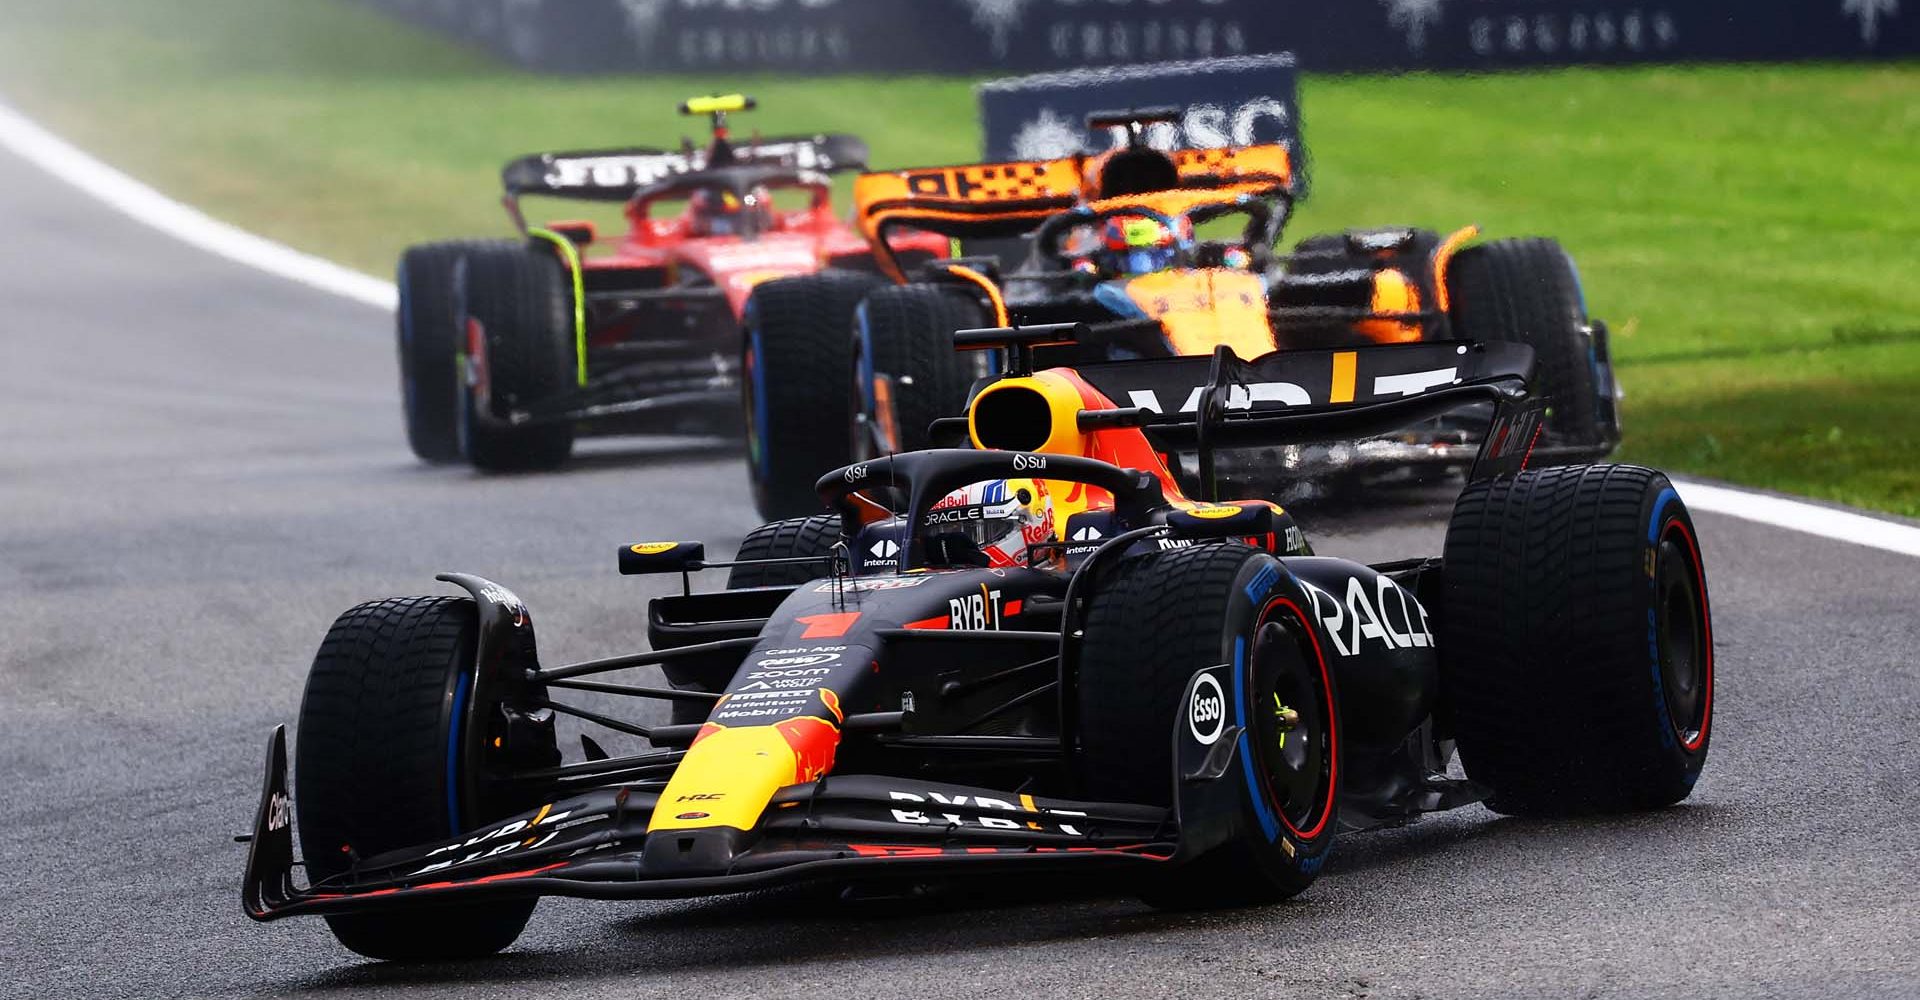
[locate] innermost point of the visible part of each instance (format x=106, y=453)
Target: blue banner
x=987, y=36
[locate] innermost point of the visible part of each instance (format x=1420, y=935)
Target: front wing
x=850, y=827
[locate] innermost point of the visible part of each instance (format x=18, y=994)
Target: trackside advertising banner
x=1236, y=101
x=1021, y=36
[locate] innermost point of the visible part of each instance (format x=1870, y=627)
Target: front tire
x=1576, y=642
x=906, y=370
x=519, y=298
x=794, y=538
x=1153, y=623
x=377, y=768
x=795, y=361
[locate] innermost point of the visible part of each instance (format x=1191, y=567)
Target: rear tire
x=382, y=715
x=1576, y=643
x=906, y=371
x=795, y=361
x=522, y=298
x=1526, y=291
x=1154, y=622
x=428, y=333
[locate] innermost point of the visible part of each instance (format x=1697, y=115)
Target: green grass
x=1748, y=231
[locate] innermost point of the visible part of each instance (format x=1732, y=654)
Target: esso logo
x=1207, y=712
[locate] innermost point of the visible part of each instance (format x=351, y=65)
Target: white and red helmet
x=1004, y=518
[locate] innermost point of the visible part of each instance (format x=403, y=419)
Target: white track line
x=67, y=162
x=63, y=160
x=1811, y=519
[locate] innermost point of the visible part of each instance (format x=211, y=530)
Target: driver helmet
x=1142, y=244
x=719, y=212
x=1003, y=518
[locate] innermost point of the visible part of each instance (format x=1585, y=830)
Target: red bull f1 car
x=1163, y=254
x=1036, y=653
x=511, y=348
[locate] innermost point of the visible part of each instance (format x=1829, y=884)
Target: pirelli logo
x=992, y=182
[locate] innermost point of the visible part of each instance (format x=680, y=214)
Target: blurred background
x=1740, y=182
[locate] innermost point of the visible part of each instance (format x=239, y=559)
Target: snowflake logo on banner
x=1047, y=137
x=1414, y=17
x=999, y=18
x=643, y=20
x=1869, y=13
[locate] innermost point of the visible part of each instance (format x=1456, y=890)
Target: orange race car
x=1160, y=254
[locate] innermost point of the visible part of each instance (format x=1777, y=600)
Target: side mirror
x=1221, y=521
x=644, y=558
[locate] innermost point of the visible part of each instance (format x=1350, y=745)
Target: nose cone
x=689, y=853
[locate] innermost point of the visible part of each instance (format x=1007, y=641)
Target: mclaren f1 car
x=1033, y=654
x=510, y=348
x=1163, y=255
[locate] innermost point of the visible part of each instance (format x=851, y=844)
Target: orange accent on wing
x=1344, y=365
x=893, y=851
x=1265, y=165
x=1180, y=201
x=828, y=626
x=483, y=880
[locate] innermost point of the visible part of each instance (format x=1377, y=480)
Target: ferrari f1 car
x=1007, y=661
x=509, y=348
x=1162, y=255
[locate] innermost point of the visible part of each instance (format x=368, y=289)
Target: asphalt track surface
x=201, y=465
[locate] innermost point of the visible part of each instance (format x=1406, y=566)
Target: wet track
x=201, y=465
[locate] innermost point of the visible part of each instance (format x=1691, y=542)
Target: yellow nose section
x=731, y=772
x=726, y=779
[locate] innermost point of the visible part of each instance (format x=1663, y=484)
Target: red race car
x=509, y=349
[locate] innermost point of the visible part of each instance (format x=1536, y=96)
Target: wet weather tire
x=1526, y=291
x=906, y=372
x=1576, y=644
x=793, y=538
x=427, y=333
x=522, y=298
x=380, y=720
x=1155, y=621
x=795, y=361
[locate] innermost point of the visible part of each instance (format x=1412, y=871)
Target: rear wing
x=1284, y=397
x=616, y=174
x=1323, y=395
x=1000, y=200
